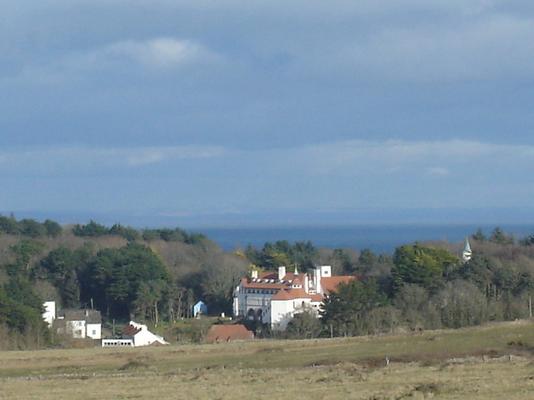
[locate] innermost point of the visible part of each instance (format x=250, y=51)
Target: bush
x=304, y=325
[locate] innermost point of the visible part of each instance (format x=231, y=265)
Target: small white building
x=79, y=324
x=275, y=298
x=134, y=335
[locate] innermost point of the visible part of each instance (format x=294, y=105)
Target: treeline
x=430, y=287
x=133, y=281
x=153, y=275
x=29, y=227
x=305, y=256
x=158, y=275
x=93, y=229
x=21, y=323
x=273, y=255
x=35, y=229
x=129, y=282
x=123, y=282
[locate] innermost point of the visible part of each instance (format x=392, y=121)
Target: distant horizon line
x=157, y=221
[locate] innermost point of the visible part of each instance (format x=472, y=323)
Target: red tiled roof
x=246, y=283
x=297, y=293
x=291, y=276
x=316, y=297
x=227, y=333
x=277, y=284
x=330, y=284
x=268, y=275
x=130, y=330
x=282, y=295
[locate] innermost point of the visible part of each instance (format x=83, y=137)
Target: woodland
x=157, y=275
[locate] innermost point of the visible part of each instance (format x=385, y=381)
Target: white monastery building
x=275, y=298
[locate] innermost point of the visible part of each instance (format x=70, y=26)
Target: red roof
x=248, y=283
x=330, y=284
x=268, y=275
x=297, y=293
x=269, y=280
x=316, y=297
x=130, y=330
x=262, y=282
x=282, y=295
x=291, y=275
x=227, y=333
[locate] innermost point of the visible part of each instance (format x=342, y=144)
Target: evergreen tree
x=421, y=265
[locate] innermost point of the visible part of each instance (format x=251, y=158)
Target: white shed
x=140, y=335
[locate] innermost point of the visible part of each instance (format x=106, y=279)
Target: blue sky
x=203, y=110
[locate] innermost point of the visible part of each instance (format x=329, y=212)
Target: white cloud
x=161, y=54
x=478, y=47
x=75, y=159
x=379, y=160
x=154, y=155
x=414, y=40
x=158, y=53
x=359, y=157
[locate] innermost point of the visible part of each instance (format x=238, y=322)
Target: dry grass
x=469, y=363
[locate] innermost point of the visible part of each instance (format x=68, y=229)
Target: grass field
x=491, y=362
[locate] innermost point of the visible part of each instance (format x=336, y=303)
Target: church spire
x=467, y=253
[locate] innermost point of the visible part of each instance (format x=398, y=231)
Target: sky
x=205, y=112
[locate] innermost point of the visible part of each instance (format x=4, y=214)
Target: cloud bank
x=352, y=157
x=304, y=104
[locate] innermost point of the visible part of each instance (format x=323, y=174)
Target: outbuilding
x=200, y=309
x=134, y=335
x=228, y=333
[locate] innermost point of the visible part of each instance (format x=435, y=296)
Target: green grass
x=435, y=363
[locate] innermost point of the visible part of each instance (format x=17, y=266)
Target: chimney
x=326, y=271
x=281, y=273
x=318, y=287
x=254, y=274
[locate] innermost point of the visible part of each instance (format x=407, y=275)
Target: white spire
x=467, y=253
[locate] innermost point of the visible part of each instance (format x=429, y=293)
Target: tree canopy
x=421, y=265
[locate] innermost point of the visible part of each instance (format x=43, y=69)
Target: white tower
x=467, y=253
x=49, y=314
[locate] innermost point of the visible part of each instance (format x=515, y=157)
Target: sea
x=378, y=238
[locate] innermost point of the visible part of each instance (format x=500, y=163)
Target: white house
x=275, y=298
x=134, y=335
x=79, y=324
